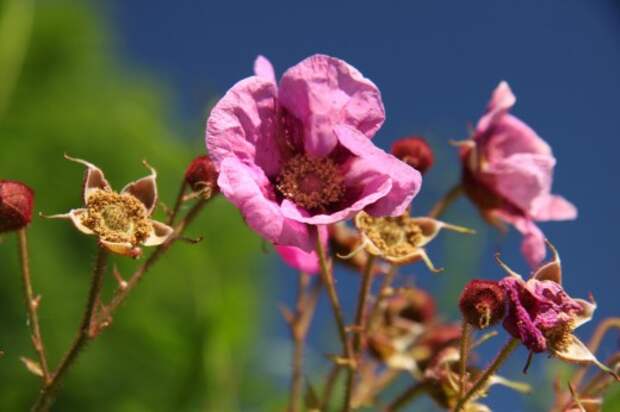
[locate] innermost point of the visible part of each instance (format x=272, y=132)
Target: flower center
x=118, y=218
x=559, y=336
x=395, y=237
x=311, y=183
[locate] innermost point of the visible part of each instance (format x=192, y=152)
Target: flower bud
x=16, y=202
x=414, y=151
x=483, y=303
x=201, y=174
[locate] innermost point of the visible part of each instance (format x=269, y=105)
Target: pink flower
x=508, y=170
x=299, y=259
x=543, y=316
x=299, y=153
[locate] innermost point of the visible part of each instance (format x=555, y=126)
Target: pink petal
x=372, y=161
x=533, y=244
x=553, y=207
x=521, y=178
x=306, y=262
x=247, y=189
x=501, y=101
x=323, y=91
x=242, y=125
x=263, y=68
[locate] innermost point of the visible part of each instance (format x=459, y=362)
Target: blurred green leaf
x=181, y=340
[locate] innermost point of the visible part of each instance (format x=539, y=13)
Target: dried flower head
x=16, y=203
x=415, y=151
x=121, y=221
x=483, y=303
x=201, y=175
x=401, y=239
x=543, y=316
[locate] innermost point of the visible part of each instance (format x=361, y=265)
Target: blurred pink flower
x=299, y=154
x=508, y=171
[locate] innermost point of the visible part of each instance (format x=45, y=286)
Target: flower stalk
x=501, y=357
x=84, y=335
x=32, y=304
x=446, y=201
x=464, y=347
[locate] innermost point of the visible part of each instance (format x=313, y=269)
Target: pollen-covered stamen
x=118, y=218
x=560, y=335
x=311, y=183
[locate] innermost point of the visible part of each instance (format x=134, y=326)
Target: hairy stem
x=359, y=325
x=463, y=352
x=490, y=371
x=31, y=304
x=327, y=276
x=83, y=336
x=442, y=205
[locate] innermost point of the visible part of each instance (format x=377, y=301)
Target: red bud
x=201, y=174
x=483, y=303
x=414, y=151
x=16, y=202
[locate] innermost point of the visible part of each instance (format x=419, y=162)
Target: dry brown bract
x=122, y=220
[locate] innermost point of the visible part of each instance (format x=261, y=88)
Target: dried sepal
x=160, y=234
x=144, y=189
x=551, y=270
x=94, y=178
x=578, y=353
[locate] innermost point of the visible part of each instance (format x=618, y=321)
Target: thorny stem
x=493, y=367
x=463, y=352
x=84, y=335
x=359, y=323
x=31, y=304
x=406, y=397
x=299, y=325
x=327, y=277
x=447, y=200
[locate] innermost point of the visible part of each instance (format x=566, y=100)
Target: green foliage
x=179, y=343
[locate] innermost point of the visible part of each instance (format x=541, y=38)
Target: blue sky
x=436, y=63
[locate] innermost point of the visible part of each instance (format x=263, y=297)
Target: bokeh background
x=116, y=82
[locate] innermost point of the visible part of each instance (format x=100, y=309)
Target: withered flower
x=121, y=221
x=543, y=316
x=482, y=303
x=401, y=239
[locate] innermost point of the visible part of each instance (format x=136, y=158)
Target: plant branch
x=463, y=352
x=32, y=304
x=327, y=276
x=84, y=335
x=484, y=378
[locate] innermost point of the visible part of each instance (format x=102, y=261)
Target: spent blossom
x=121, y=221
x=508, y=172
x=298, y=153
x=543, y=316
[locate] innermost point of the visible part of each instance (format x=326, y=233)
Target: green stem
x=46, y=399
x=490, y=371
